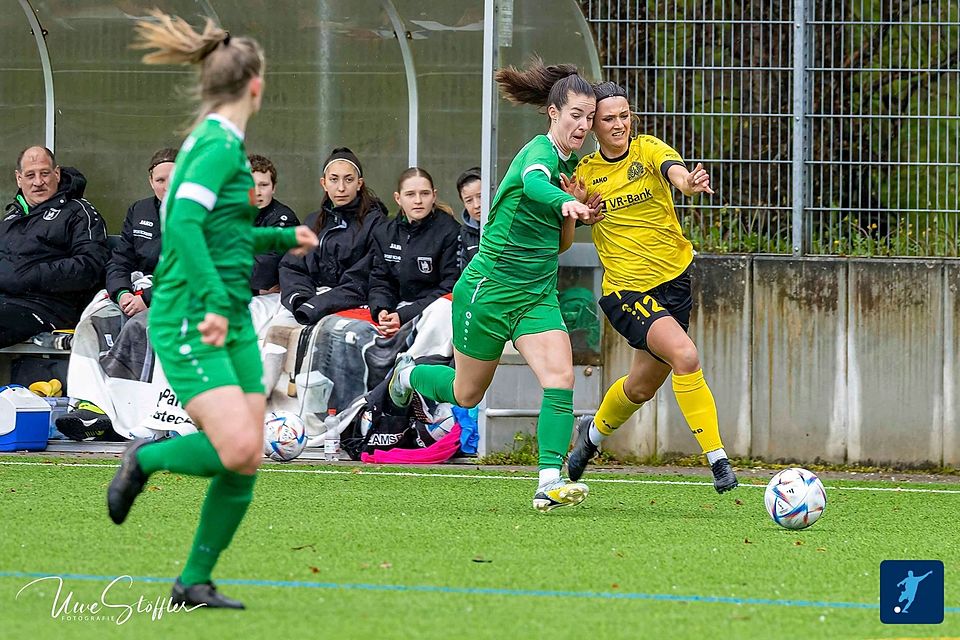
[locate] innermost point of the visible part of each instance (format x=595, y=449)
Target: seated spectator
x=273, y=213
x=53, y=248
x=333, y=276
x=131, y=265
x=416, y=258
x=468, y=186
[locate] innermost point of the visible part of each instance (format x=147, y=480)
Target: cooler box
x=24, y=420
x=58, y=407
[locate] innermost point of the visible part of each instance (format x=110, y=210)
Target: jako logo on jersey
x=395, y=246
x=146, y=223
x=425, y=264
x=600, y=180
x=635, y=172
x=52, y=214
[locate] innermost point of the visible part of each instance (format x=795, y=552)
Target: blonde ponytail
x=226, y=63
x=175, y=41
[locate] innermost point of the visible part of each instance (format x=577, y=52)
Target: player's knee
x=638, y=391
x=559, y=380
x=243, y=454
x=685, y=360
x=468, y=398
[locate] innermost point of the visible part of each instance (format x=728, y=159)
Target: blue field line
x=483, y=591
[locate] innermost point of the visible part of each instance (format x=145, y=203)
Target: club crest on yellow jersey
x=635, y=172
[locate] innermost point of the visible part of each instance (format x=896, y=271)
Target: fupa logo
x=911, y=592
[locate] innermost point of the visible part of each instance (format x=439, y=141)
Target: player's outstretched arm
x=690, y=182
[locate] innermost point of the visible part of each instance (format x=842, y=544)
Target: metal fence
x=828, y=126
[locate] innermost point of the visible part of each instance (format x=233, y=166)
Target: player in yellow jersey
x=646, y=282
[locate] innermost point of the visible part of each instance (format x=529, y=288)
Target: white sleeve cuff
x=198, y=193
x=535, y=167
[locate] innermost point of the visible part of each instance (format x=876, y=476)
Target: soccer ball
x=795, y=498
x=442, y=422
x=284, y=436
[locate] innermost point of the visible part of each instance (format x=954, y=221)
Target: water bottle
x=331, y=439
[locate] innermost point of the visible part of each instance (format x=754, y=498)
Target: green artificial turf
x=393, y=556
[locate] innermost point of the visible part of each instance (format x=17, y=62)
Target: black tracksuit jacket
x=469, y=239
x=266, y=267
x=341, y=261
x=138, y=249
x=414, y=263
x=52, y=257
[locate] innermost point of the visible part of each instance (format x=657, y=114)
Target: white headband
x=352, y=164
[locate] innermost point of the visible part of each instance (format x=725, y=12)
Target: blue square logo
x=911, y=592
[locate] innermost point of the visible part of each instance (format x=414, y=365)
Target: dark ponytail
x=541, y=85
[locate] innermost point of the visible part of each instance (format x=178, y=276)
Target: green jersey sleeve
x=537, y=187
x=274, y=239
x=541, y=174
x=208, y=168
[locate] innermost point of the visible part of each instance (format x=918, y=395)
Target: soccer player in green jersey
x=509, y=290
x=200, y=324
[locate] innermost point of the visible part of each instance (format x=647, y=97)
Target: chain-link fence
x=868, y=89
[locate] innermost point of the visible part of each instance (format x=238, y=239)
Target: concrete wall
x=818, y=358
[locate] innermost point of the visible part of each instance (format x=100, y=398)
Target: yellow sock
x=615, y=409
x=696, y=403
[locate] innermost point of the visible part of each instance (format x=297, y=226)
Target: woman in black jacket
x=416, y=257
x=138, y=250
x=333, y=276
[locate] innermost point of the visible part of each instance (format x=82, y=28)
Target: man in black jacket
x=273, y=213
x=53, y=247
x=134, y=259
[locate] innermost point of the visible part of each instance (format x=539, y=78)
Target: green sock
x=434, y=382
x=227, y=500
x=555, y=427
x=191, y=455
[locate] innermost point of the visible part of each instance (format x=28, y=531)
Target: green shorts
x=486, y=314
x=193, y=367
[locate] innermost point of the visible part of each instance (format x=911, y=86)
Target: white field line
x=464, y=476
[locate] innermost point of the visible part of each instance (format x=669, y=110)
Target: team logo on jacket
x=635, y=171
x=51, y=214
x=425, y=264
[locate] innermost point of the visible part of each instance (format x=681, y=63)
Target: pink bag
x=440, y=451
